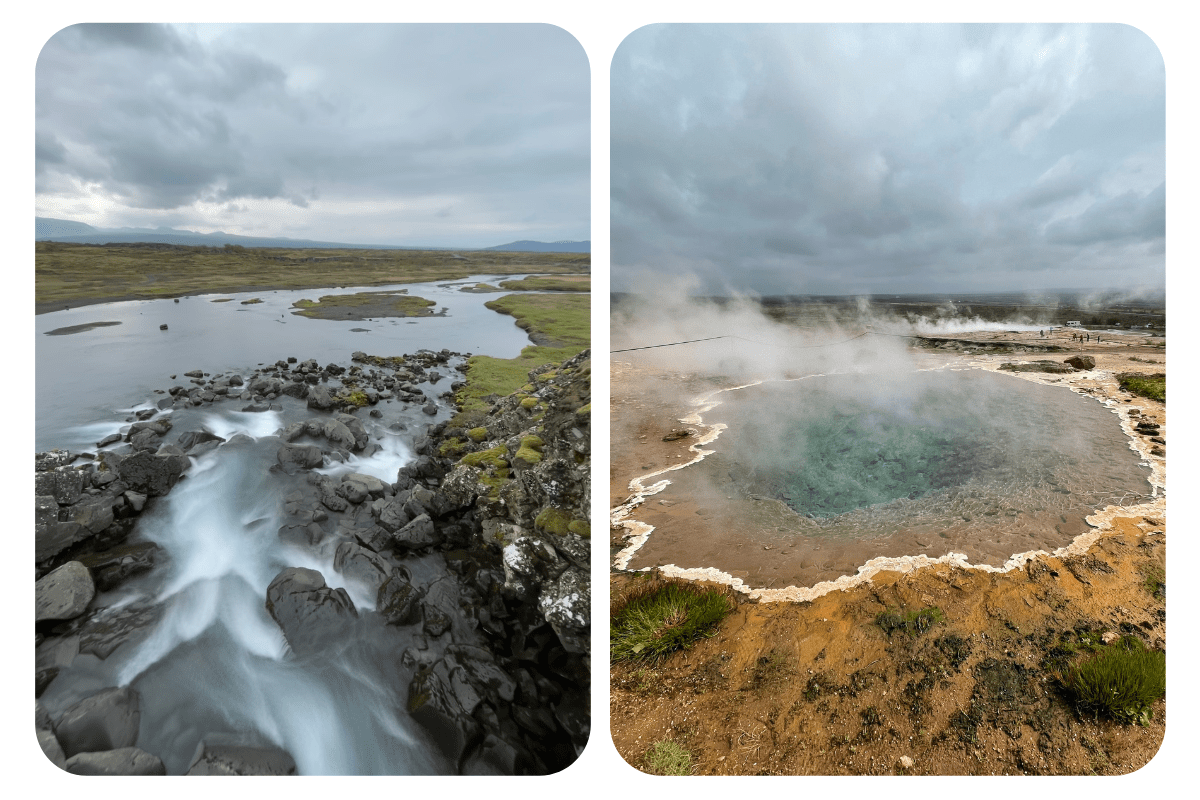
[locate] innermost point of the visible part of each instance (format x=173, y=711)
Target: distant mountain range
x=48, y=229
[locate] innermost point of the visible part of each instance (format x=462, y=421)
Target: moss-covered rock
x=477, y=435
x=529, y=403
x=553, y=520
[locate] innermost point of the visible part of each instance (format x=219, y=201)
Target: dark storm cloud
x=818, y=158
x=464, y=134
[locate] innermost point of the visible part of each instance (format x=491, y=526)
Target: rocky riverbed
x=449, y=598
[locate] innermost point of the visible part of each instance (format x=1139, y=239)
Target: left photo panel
x=313, y=399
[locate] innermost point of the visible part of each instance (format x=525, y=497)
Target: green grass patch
x=365, y=304
x=1123, y=681
x=573, y=283
x=912, y=623
x=668, y=758
x=653, y=620
x=559, y=324
x=452, y=447
x=1152, y=386
x=477, y=435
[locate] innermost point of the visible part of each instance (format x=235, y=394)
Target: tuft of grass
x=668, y=758
x=913, y=623
x=656, y=619
x=529, y=403
x=1151, y=386
x=1155, y=581
x=1123, y=681
x=477, y=435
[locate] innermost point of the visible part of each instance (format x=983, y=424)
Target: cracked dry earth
x=817, y=688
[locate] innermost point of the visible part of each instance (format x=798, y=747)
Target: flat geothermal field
x=919, y=534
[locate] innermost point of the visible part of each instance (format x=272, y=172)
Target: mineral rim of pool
x=811, y=480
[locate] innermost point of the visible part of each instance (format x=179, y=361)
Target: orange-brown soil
x=817, y=687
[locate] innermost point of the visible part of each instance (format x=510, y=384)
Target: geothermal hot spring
x=813, y=478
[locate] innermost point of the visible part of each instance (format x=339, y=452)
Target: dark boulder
x=311, y=615
x=107, y=720
x=293, y=457
x=1081, y=362
x=320, y=398
x=64, y=593
x=399, y=601
x=149, y=473
x=418, y=533
x=362, y=567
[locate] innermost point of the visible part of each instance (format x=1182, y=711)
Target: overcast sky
x=857, y=159
x=454, y=135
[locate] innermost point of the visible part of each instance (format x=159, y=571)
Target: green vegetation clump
x=452, y=447
x=304, y=303
x=486, y=458
x=656, y=619
x=913, y=623
x=252, y=301
x=531, y=450
x=357, y=398
x=1155, y=581
x=668, y=758
x=1151, y=386
x=477, y=435
x=1123, y=681
x=553, y=520
x=529, y=403
x=580, y=528
x=585, y=410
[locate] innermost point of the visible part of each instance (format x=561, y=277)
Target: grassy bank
x=78, y=274
x=561, y=324
x=541, y=283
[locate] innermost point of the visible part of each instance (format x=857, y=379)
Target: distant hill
x=527, y=246
x=48, y=228
x=65, y=230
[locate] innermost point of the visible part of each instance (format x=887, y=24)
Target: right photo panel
x=888, y=400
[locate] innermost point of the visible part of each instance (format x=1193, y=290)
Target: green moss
x=452, y=447
x=486, y=458
x=585, y=410
x=305, y=303
x=553, y=520
x=527, y=388
x=581, y=528
x=477, y=434
x=357, y=398
x=530, y=451
x=529, y=403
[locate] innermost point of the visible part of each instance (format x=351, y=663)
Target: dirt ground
x=815, y=686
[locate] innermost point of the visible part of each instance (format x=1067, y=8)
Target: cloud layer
x=846, y=159
x=458, y=135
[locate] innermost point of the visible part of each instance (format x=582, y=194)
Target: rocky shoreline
x=498, y=673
